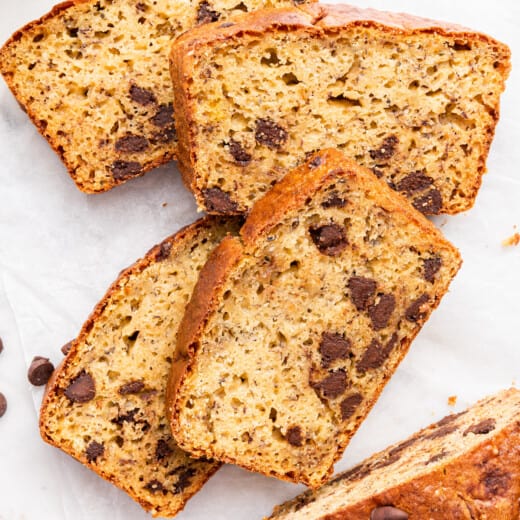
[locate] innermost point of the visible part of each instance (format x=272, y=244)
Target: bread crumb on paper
x=513, y=240
x=452, y=400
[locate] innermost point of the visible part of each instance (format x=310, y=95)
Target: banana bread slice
x=93, y=76
x=294, y=328
x=415, y=100
x=464, y=466
x=105, y=404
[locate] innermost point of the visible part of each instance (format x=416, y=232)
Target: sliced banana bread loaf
x=415, y=100
x=463, y=467
x=105, y=404
x=295, y=327
x=93, y=77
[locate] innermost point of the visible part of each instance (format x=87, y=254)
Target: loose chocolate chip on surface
x=270, y=133
x=381, y=311
x=164, y=116
x=388, y=513
x=183, y=481
x=329, y=239
x=482, y=428
x=431, y=267
x=81, y=389
x=94, y=450
x=362, y=290
x=349, y=405
x=386, y=150
x=376, y=354
x=294, y=436
x=155, y=486
x=133, y=387
x=142, y=96
x=333, y=346
x=162, y=449
x=205, y=14
x=239, y=154
x=333, y=385
x=219, y=201
x=164, y=251
x=334, y=201
x=416, y=181
x=415, y=311
x=122, y=170
x=40, y=371
x=132, y=143
x=430, y=203
x=66, y=348
x=3, y=404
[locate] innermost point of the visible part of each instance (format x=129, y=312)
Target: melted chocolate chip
x=431, y=267
x=162, y=449
x=205, y=14
x=440, y=432
x=294, y=436
x=226, y=24
x=430, y=203
x=40, y=371
x=142, y=96
x=402, y=446
x=270, y=134
x=66, y=348
x=3, y=404
x=122, y=170
x=375, y=355
x=436, y=457
x=334, y=201
x=482, y=428
x=362, y=290
x=315, y=162
x=333, y=385
x=349, y=405
x=332, y=347
x=126, y=417
x=164, y=116
x=133, y=387
x=451, y=418
x=386, y=150
x=357, y=472
x=81, y=389
x=164, y=251
x=218, y=201
x=154, y=486
x=414, y=182
x=388, y=513
x=94, y=450
x=183, y=481
x=381, y=311
x=496, y=482
x=132, y=143
x=239, y=154
x=415, y=311
x=329, y=239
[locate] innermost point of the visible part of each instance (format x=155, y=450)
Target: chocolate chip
x=436, y=458
x=94, y=450
x=415, y=311
x=132, y=143
x=164, y=251
x=381, y=311
x=333, y=346
x=155, y=486
x=294, y=436
x=402, y=446
x=386, y=150
x=3, y=404
x=81, y=389
x=376, y=354
x=218, y=201
x=334, y=201
x=141, y=7
x=40, y=371
x=357, y=472
x=122, y=170
x=430, y=203
x=142, y=96
x=126, y=417
x=270, y=133
x=451, y=418
x=329, y=239
x=164, y=116
x=162, y=449
x=333, y=385
x=183, y=481
x=482, y=428
x=388, y=513
x=414, y=182
x=205, y=14
x=133, y=387
x=66, y=348
x=362, y=290
x=349, y=405
x=431, y=267
x=240, y=155
x=226, y=24
x=1, y=345
x=496, y=482
x=440, y=432
x=315, y=162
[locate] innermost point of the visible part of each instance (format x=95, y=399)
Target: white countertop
x=60, y=249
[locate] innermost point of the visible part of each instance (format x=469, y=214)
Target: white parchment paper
x=60, y=249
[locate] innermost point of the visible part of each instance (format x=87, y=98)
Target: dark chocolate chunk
x=362, y=291
x=239, y=154
x=450, y=418
x=430, y=203
x=333, y=346
x=218, y=201
x=133, y=387
x=294, y=436
x=414, y=182
x=496, y=482
x=155, y=486
x=66, y=348
x=482, y=428
x=122, y=170
x=349, y=405
x=132, y=143
x=3, y=404
x=388, y=513
x=333, y=385
x=329, y=239
x=381, y=311
x=81, y=389
x=334, y=201
x=315, y=162
x=183, y=481
x=356, y=473
x=270, y=133
x=440, y=432
x=415, y=311
x=141, y=7
x=431, y=267
x=164, y=251
x=40, y=371
x=376, y=354
x=162, y=449
x=164, y=116
x=402, y=446
x=436, y=457
x=94, y=450
x=1, y=345
x=205, y=14
x=142, y=96
x=386, y=150
x=126, y=417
